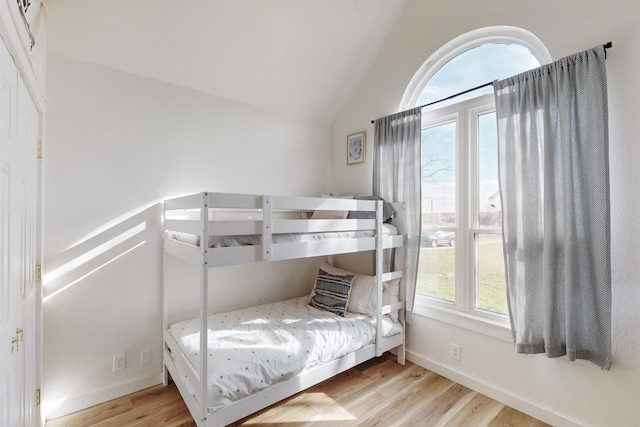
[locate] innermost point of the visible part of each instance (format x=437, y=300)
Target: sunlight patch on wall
x=92, y=260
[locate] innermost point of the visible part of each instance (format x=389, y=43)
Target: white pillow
x=391, y=295
x=362, y=298
x=325, y=214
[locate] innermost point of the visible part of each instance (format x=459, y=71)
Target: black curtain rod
x=606, y=46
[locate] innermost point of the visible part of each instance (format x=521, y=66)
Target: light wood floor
x=379, y=392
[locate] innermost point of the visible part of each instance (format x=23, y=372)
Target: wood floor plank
x=379, y=392
x=439, y=410
x=478, y=412
x=399, y=410
x=401, y=381
x=509, y=417
x=154, y=411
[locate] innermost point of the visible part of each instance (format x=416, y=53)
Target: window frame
x=485, y=105
x=424, y=306
x=465, y=114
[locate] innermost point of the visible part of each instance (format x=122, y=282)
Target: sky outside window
x=475, y=67
x=472, y=68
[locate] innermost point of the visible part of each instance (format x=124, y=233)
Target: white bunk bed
x=273, y=228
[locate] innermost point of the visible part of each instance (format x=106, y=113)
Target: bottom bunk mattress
x=253, y=348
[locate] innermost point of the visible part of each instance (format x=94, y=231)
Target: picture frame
x=356, y=146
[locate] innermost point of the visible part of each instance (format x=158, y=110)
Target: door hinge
x=37, y=397
x=39, y=150
x=38, y=273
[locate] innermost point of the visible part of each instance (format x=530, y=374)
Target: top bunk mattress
x=256, y=239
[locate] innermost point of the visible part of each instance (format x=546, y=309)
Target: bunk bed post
x=399, y=263
x=379, y=271
x=267, y=206
x=165, y=307
x=204, y=299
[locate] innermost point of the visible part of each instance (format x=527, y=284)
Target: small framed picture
x=356, y=143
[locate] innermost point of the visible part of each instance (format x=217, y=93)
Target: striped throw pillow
x=331, y=292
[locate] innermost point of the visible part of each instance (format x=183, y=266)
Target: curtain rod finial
x=606, y=46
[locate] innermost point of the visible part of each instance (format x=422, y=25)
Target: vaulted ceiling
x=302, y=58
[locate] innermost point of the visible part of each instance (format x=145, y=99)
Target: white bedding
x=247, y=240
x=253, y=348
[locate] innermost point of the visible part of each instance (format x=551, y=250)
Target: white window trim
x=425, y=308
x=462, y=312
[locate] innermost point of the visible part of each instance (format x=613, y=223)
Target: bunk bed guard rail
x=222, y=214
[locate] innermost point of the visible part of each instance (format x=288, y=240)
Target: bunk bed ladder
x=399, y=260
x=396, y=259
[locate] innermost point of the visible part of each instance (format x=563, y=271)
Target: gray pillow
x=331, y=292
x=387, y=211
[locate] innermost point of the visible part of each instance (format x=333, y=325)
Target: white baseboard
x=83, y=402
x=494, y=393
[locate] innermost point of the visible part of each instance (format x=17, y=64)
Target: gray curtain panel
x=396, y=177
x=554, y=181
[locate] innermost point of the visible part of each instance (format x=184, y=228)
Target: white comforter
x=254, y=348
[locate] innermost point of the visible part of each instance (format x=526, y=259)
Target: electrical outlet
x=145, y=357
x=118, y=362
x=454, y=351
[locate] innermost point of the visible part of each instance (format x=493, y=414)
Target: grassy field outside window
x=436, y=274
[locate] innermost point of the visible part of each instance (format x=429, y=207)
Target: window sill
x=469, y=321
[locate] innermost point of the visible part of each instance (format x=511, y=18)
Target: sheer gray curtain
x=396, y=177
x=554, y=180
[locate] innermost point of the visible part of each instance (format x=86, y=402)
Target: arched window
x=461, y=263
x=514, y=50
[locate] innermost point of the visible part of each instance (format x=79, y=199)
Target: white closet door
x=19, y=134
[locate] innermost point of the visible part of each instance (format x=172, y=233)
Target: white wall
x=117, y=145
x=558, y=391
